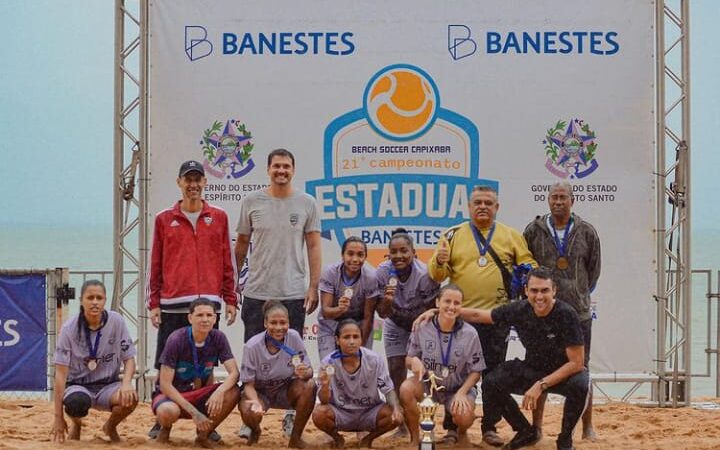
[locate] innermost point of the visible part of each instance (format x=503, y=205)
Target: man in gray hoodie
x=570, y=246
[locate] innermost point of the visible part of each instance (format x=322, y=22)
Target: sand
x=26, y=425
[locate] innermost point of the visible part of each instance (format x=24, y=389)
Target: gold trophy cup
x=427, y=408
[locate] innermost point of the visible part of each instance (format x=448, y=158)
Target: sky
x=56, y=111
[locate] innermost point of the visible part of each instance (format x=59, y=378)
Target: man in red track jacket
x=190, y=258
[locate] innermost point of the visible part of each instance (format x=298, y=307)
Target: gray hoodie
x=583, y=252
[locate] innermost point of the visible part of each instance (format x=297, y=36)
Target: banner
x=23, y=333
x=395, y=110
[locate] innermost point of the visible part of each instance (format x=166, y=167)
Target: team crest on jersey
x=208, y=220
x=458, y=351
x=294, y=219
x=265, y=368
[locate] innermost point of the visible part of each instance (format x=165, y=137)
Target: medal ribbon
x=444, y=356
x=280, y=345
x=351, y=281
x=561, y=245
x=482, y=244
x=94, y=348
x=337, y=354
x=196, y=360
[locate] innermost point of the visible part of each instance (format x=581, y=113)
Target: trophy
x=428, y=407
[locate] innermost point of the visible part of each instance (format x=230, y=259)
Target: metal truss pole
x=129, y=216
x=673, y=188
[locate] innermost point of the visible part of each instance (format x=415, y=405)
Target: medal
x=93, y=346
x=330, y=370
x=296, y=360
x=348, y=293
x=483, y=244
x=445, y=371
x=392, y=282
x=562, y=262
x=197, y=383
x=197, y=367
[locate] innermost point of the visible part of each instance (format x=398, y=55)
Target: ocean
x=86, y=248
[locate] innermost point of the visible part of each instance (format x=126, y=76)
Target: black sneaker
x=154, y=431
x=523, y=438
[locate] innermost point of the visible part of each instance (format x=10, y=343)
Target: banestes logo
x=197, y=45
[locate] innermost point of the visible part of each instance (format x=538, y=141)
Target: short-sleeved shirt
x=364, y=287
x=277, y=226
x=270, y=372
x=114, y=347
x=465, y=355
x=545, y=338
x=178, y=355
x=413, y=296
x=359, y=390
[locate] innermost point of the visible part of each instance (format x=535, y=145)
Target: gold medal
x=562, y=263
x=348, y=293
x=197, y=383
x=92, y=364
x=482, y=262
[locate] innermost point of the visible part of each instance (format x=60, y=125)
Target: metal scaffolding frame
x=673, y=296
x=130, y=205
x=671, y=383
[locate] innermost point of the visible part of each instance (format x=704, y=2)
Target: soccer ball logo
x=401, y=102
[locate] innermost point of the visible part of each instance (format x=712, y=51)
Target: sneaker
x=244, y=432
x=154, y=431
x=288, y=423
x=214, y=436
x=492, y=438
x=524, y=438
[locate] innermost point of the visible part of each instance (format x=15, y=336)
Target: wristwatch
x=543, y=385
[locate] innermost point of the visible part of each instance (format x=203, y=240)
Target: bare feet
x=338, y=442
x=589, y=434
x=74, y=431
x=254, y=436
x=365, y=442
x=204, y=442
x=401, y=432
x=296, y=443
x=111, y=432
x=164, y=435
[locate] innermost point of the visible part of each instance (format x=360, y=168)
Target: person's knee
x=77, y=404
x=167, y=413
x=322, y=415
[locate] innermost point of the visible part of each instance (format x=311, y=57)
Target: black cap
x=191, y=166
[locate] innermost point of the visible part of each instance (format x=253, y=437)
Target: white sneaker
x=288, y=423
x=244, y=432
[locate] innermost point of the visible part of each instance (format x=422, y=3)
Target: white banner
x=394, y=110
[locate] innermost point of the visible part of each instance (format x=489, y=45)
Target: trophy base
x=426, y=445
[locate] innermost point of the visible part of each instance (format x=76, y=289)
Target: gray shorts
x=356, y=419
x=275, y=398
x=326, y=337
x=446, y=397
x=395, y=338
x=100, y=395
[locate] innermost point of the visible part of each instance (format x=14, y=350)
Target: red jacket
x=186, y=264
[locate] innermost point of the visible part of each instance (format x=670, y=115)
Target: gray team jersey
x=277, y=226
x=359, y=390
x=428, y=344
x=114, y=347
x=366, y=286
x=413, y=296
x=270, y=372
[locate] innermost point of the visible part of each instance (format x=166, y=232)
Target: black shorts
x=170, y=322
x=254, y=322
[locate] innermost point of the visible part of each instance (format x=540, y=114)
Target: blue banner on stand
x=23, y=333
